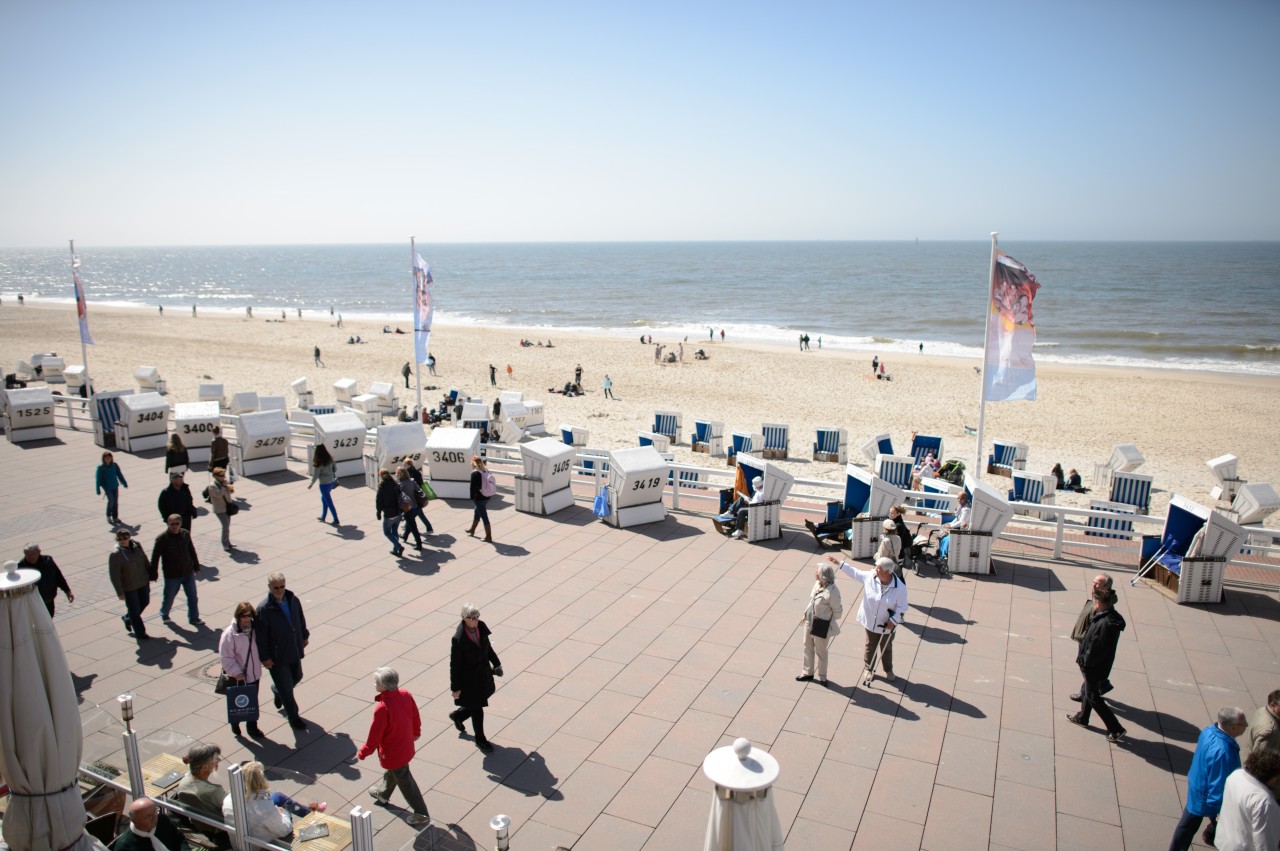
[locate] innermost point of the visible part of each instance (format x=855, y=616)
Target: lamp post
x=499, y=825
x=131, y=757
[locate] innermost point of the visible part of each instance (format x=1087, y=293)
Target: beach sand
x=1177, y=419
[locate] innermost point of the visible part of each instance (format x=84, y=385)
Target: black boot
x=235, y=728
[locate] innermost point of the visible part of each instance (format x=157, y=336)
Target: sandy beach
x=1178, y=419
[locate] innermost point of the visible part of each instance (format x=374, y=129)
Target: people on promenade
x=890, y=546
x=1104, y=582
x=268, y=813
x=413, y=513
x=148, y=829
x=897, y=513
x=223, y=503
x=1095, y=657
x=325, y=471
x=238, y=651
x=219, y=450
x=176, y=499
x=821, y=623
x=472, y=667
x=387, y=506
x=1264, y=726
x=175, y=554
x=1217, y=755
x=280, y=631
x=109, y=479
x=884, y=605
x=396, y=726
x=175, y=455
x=196, y=792
x=736, y=513
x=131, y=577
x=51, y=578
x=1250, y=818
x=482, y=487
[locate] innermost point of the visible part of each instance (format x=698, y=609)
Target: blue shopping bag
x=242, y=703
x=601, y=507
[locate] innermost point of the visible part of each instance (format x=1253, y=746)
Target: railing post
x=1057, y=535
x=239, y=808
x=361, y=830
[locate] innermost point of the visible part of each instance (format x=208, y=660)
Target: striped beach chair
x=895, y=469
x=777, y=440
x=878, y=445
x=1120, y=525
x=832, y=445
x=923, y=444
x=941, y=487
x=1131, y=489
x=1007, y=456
x=574, y=435
x=668, y=423
x=104, y=410
x=660, y=442
x=1034, y=488
x=707, y=436
x=744, y=441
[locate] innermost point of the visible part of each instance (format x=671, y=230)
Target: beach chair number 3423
x=639, y=484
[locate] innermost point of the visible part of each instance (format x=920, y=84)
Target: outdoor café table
x=339, y=834
x=159, y=766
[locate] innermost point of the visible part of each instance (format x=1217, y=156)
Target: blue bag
x=601, y=507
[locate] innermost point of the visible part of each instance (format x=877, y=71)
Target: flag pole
x=84, y=352
x=986, y=362
x=417, y=367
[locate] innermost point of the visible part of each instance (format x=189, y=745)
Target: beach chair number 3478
x=654, y=482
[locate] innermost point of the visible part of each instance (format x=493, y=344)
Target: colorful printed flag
x=81, y=310
x=1011, y=333
x=422, y=307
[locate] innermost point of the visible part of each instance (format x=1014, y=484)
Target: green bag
x=428, y=491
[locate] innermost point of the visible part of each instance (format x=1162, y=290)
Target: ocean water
x=1203, y=306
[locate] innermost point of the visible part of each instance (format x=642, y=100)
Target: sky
x=133, y=123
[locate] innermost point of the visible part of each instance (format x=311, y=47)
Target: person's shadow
x=525, y=773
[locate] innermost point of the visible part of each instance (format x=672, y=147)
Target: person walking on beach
x=324, y=470
x=396, y=726
x=577, y=374
x=921, y=348
x=608, y=388
x=711, y=335
x=493, y=376
x=176, y=499
x=406, y=371
x=51, y=578
x=510, y=372
x=109, y=479
x=387, y=507
x=175, y=554
x=280, y=631
x=722, y=335
x=131, y=578
x=318, y=362
x=875, y=363
x=431, y=364
x=1217, y=755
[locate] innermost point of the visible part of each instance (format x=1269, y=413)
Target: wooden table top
x=339, y=833
x=158, y=766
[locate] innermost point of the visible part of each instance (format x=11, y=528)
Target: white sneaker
x=737, y=533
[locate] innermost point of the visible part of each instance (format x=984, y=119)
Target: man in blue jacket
x=282, y=636
x=1217, y=755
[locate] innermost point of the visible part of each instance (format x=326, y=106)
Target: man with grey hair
x=396, y=726
x=280, y=630
x=1095, y=657
x=1103, y=581
x=1217, y=755
x=149, y=829
x=196, y=792
x=51, y=578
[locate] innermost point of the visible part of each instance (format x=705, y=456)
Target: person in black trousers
x=280, y=631
x=51, y=578
x=472, y=667
x=1095, y=658
x=176, y=499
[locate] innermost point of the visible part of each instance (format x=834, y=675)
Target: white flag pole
x=417, y=367
x=84, y=352
x=986, y=362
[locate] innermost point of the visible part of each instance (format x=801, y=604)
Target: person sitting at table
x=268, y=812
x=149, y=829
x=196, y=793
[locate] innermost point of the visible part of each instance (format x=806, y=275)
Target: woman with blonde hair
x=268, y=812
x=224, y=504
x=821, y=623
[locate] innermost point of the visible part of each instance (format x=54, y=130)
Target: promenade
x=629, y=654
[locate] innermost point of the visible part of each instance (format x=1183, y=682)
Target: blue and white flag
x=422, y=307
x=81, y=309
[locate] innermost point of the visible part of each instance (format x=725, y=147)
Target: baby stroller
x=924, y=550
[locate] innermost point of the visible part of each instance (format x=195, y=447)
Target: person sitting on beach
x=1059, y=481
x=737, y=511
x=549, y=346
x=1073, y=482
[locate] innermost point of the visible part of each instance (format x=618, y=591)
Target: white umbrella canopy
x=39, y=724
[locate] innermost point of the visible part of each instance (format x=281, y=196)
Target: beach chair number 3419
x=638, y=484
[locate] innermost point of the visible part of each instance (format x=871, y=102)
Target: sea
x=1171, y=305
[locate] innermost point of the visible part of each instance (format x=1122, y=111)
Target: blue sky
x=130, y=123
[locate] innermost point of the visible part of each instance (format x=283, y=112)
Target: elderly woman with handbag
x=240, y=663
x=821, y=623
x=472, y=667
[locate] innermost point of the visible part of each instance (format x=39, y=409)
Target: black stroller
x=924, y=551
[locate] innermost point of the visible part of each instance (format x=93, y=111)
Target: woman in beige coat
x=891, y=546
x=824, y=605
x=220, y=497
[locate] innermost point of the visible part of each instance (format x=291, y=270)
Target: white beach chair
x=1191, y=555
x=895, y=469
x=305, y=397
x=1225, y=469
x=52, y=369
x=1034, y=488
x=76, y=377
x=764, y=518
x=832, y=444
x=245, y=403
x=777, y=440
x=272, y=403
x=212, y=393
x=345, y=391
x=1254, y=503
x=574, y=435
x=385, y=393
x=149, y=380
x=660, y=442
x=878, y=445
x=1125, y=458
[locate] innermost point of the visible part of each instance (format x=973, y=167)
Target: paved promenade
x=629, y=654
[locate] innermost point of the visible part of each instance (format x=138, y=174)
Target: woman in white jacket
x=268, y=812
x=821, y=623
x=239, y=654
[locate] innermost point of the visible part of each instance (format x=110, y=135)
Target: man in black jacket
x=51, y=578
x=176, y=554
x=282, y=636
x=1095, y=658
x=176, y=499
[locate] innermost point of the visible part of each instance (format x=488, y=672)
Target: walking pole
x=865, y=681
x=1166, y=545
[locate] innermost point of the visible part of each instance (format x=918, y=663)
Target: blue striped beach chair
x=941, y=487
x=1131, y=489
x=708, y=437
x=667, y=423
x=832, y=445
x=1034, y=488
x=660, y=442
x=1119, y=525
x=923, y=444
x=777, y=440
x=744, y=441
x=878, y=445
x=574, y=435
x=1007, y=456
x=104, y=411
x=895, y=469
